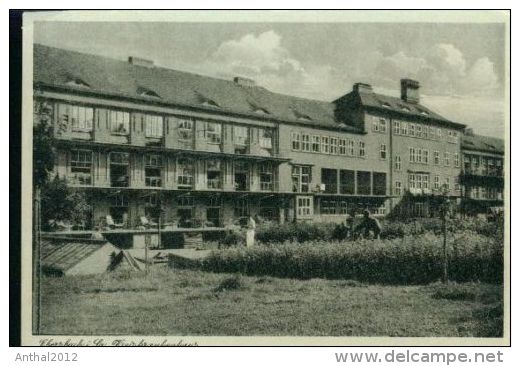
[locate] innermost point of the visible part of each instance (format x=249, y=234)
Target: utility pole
x=36, y=261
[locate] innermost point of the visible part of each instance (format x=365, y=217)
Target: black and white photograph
x=328, y=176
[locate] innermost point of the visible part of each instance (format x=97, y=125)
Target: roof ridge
x=191, y=73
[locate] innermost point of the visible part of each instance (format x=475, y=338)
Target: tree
x=61, y=203
x=43, y=160
x=43, y=147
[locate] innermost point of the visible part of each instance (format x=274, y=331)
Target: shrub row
x=409, y=260
x=304, y=231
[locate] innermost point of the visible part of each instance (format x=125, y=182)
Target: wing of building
x=482, y=177
x=212, y=152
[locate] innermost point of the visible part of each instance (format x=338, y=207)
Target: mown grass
x=188, y=302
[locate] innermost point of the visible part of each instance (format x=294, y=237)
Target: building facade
x=482, y=176
x=207, y=151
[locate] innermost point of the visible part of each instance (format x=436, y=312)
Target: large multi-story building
x=132, y=134
x=482, y=176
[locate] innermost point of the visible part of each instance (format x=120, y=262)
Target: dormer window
x=424, y=113
x=78, y=82
x=145, y=92
x=386, y=105
x=257, y=109
x=301, y=116
x=405, y=108
x=205, y=101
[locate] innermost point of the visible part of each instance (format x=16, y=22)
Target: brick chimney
x=362, y=88
x=239, y=80
x=410, y=90
x=138, y=61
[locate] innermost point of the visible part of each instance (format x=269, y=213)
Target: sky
x=460, y=66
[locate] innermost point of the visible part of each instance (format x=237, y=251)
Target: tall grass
x=407, y=260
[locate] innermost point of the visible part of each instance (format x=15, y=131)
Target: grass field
x=186, y=302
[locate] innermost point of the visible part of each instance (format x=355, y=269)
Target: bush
x=298, y=231
x=407, y=260
x=231, y=283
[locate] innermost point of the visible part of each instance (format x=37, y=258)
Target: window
x=347, y=182
x=153, y=170
x=397, y=162
x=153, y=126
x=81, y=167
x=436, y=158
x=327, y=206
x=418, y=181
x=397, y=126
x=411, y=130
x=185, y=133
x=119, y=208
x=379, y=180
x=447, y=183
x=456, y=160
x=213, y=174
x=418, y=131
x=447, y=158
x=334, y=146
x=301, y=178
x=398, y=188
x=306, y=144
x=80, y=118
x=382, y=151
x=241, y=208
x=343, y=208
x=350, y=147
x=375, y=124
x=329, y=177
x=412, y=154
x=342, y=146
x=119, y=122
x=240, y=135
x=325, y=144
x=119, y=164
x=439, y=133
x=184, y=174
x=426, y=157
x=304, y=206
x=265, y=138
x=213, y=132
x=404, y=128
x=315, y=144
x=362, y=149
x=411, y=181
x=436, y=181
x=364, y=186
x=266, y=177
x=378, y=124
x=295, y=137
x=382, y=125
x=453, y=137
x=241, y=176
x=418, y=155
x=425, y=181
x=185, y=211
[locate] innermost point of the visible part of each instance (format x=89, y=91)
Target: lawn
x=189, y=302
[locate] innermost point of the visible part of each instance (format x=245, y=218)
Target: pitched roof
x=80, y=72
x=482, y=143
x=62, y=255
x=388, y=104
